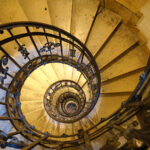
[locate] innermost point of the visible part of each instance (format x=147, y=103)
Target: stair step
x=40, y=14
x=107, y=105
x=63, y=7
x=32, y=84
x=14, y=12
x=27, y=41
x=83, y=13
x=51, y=126
x=53, y=129
x=27, y=93
x=68, y=126
x=33, y=111
x=41, y=78
x=131, y=5
x=33, y=116
x=47, y=123
x=62, y=21
x=110, y=42
x=133, y=60
x=122, y=84
x=122, y=40
x=31, y=106
x=86, y=123
x=49, y=72
x=105, y=24
x=41, y=123
x=125, y=13
x=60, y=74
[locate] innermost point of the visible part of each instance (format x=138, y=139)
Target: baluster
x=61, y=48
x=27, y=28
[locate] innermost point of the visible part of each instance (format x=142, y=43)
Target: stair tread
x=32, y=92
x=60, y=73
x=131, y=5
x=32, y=84
x=40, y=77
x=33, y=116
x=107, y=105
x=135, y=59
x=122, y=84
x=50, y=73
x=29, y=107
x=83, y=13
x=40, y=14
x=41, y=123
x=104, y=25
x=119, y=43
x=122, y=11
x=14, y=11
x=63, y=7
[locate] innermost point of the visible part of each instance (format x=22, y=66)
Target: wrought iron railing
x=53, y=51
x=59, y=46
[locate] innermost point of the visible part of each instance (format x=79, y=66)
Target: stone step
x=133, y=60
x=32, y=84
x=105, y=24
x=122, y=84
x=83, y=13
x=121, y=41
x=106, y=105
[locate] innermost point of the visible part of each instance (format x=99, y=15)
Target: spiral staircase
x=73, y=74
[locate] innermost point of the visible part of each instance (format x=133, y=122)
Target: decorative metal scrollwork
x=23, y=51
x=49, y=46
x=3, y=71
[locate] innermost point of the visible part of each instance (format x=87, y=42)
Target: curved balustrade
x=52, y=51
x=58, y=46
x=74, y=95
